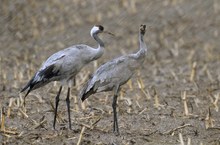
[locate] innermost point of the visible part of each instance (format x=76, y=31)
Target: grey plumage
x=113, y=74
x=65, y=64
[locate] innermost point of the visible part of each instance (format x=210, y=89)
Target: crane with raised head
x=113, y=74
x=64, y=65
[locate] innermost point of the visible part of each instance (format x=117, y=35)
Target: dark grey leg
x=114, y=105
x=56, y=106
x=115, y=124
x=68, y=107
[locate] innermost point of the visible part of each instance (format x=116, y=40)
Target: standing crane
x=113, y=74
x=64, y=65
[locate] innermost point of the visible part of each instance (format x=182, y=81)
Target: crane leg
x=68, y=107
x=57, y=99
x=115, y=119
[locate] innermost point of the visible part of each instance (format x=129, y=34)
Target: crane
x=113, y=74
x=64, y=65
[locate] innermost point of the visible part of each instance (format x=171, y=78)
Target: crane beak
x=108, y=33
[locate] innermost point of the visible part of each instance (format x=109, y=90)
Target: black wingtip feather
x=25, y=88
x=46, y=74
x=28, y=85
x=85, y=95
x=29, y=90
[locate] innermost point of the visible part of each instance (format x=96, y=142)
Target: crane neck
x=100, y=42
x=143, y=48
x=100, y=50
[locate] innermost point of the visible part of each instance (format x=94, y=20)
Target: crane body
x=64, y=65
x=113, y=74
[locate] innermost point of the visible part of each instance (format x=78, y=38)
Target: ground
x=172, y=99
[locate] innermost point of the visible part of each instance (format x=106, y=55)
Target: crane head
x=99, y=29
x=96, y=29
x=142, y=29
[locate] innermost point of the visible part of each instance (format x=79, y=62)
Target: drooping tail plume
x=85, y=93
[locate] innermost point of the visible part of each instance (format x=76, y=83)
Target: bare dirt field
x=172, y=99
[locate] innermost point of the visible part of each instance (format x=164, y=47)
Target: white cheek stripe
x=93, y=30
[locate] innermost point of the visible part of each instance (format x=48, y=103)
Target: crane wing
x=41, y=78
x=108, y=75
